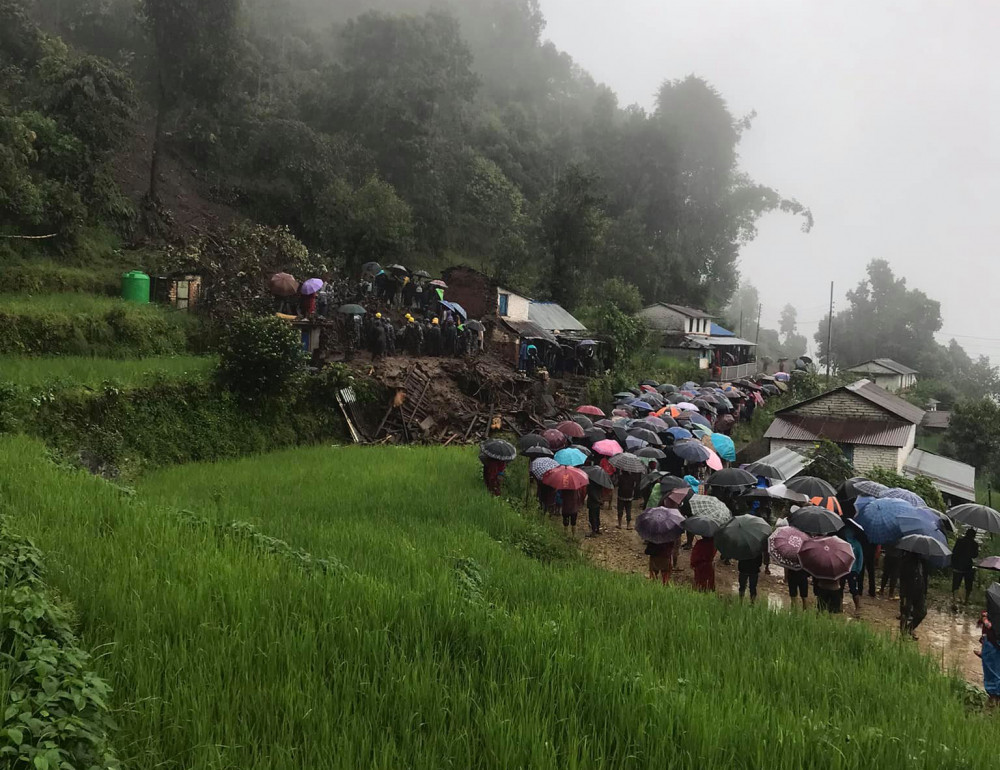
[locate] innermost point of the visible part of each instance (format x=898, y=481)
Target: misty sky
x=883, y=117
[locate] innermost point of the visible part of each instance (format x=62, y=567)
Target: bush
x=261, y=358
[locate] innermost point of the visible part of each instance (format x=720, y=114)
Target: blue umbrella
x=699, y=419
x=917, y=521
x=680, y=433
x=862, y=502
x=691, y=451
x=880, y=518
x=637, y=404
x=632, y=443
x=572, y=457
x=725, y=447
x=904, y=494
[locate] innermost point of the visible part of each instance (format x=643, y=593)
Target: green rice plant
x=439, y=643
x=31, y=372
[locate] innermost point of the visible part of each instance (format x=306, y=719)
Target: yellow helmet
x=378, y=315
x=435, y=322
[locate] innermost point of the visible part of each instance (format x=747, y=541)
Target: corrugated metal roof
x=937, y=420
x=949, y=476
x=882, y=366
x=690, y=312
x=725, y=341
x=553, y=317
x=786, y=460
x=883, y=398
x=530, y=330
x=887, y=433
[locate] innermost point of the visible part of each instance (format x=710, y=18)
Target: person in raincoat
x=703, y=564
x=989, y=654
x=493, y=471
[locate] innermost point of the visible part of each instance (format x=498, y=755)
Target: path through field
x=948, y=637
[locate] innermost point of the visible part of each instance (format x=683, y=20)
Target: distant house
x=872, y=427
x=936, y=422
x=476, y=292
x=676, y=319
x=690, y=334
x=886, y=373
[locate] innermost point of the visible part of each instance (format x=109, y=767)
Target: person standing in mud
x=449, y=338
x=890, y=571
x=378, y=338
x=703, y=564
x=912, y=592
x=390, y=338
x=661, y=560
x=628, y=485
x=989, y=654
x=433, y=338
x=571, y=508
x=962, y=567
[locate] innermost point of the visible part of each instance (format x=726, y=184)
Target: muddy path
x=950, y=638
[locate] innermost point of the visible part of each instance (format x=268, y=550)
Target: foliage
x=78, y=324
x=624, y=296
x=398, y=634
x=260, y=358
x=829, y=463
x=55, y=708
x=626, y=333
x=973, y=437
x=921, y=485
x=88, y=372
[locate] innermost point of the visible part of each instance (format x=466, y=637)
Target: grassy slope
x=225, y=658
x=83, y=371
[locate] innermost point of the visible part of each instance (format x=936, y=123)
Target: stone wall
x=472, y=290
x=868, y=457
x=844, y=405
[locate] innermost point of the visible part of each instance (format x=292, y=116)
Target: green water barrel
x=135, y=287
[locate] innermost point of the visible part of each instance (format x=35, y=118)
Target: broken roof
x=553, y=317
x=872, y=393
x=882, y=366
x=949, y=476
x=529, y=330
x=887, y=433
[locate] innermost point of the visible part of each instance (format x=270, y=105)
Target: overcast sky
x=883, y=117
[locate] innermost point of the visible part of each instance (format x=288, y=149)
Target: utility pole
x=741, y=322
x=829, y=337
x=760, y=309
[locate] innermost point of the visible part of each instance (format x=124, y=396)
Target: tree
x=829, y=463
x=973, y=437
x=788, y=324
x=573, y=228
x=743, y=311
x=260, y=358
x=920, y=485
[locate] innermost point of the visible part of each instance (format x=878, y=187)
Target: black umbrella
x=745, y=537
x=583, y=421
x=598, y=476
x=498, y=449
x=699, y=525
x=650, y=383
x=650, y=479
x=621, y=435
x=370, y=268
x=978, y=516
x=732, y=477
x=534, y=452
x=646, y=435
x=475, y=326
x=848, y=491
x=421, y=274
x=594, y=435
x=651, y=452
x=814, y=520
x=550, y=424
x=399, y=269
x=666, y=389
x=529, y=440
x=925, y=545
x=812, y=486
x=351, y=310
x=766, y=470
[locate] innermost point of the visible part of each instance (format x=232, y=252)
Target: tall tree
x=788, y=324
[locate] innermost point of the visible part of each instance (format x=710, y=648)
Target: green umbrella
x=745, y=537
x=352, y=310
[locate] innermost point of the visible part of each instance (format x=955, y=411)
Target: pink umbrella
x=714, y=461
x=647, y=388
x=826, y=558
x=439, y=283
x=608, y=448
x=620, y=413
x=784, y=546
x=593, y=411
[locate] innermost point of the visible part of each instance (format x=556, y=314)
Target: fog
x=881, y=116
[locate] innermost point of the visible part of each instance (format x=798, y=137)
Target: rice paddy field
x=409, y=620
x=85, y=371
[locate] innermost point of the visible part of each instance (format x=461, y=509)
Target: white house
x=676, y=319
x=886, y=373
x=512, y=306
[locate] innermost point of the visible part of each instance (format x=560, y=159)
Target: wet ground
x=949, y=637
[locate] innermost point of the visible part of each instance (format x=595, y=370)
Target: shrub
x=261, y=358
x=921, y=485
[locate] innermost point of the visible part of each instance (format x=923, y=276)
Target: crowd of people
x=663, y=450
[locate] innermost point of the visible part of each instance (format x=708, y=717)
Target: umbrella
x=541, y=466
x=625, y=395
x=475, y=326
x=421, y=274
x=439, y=283
x=652, y=423
x=399, y=269
x=698, y=419
x=904, y=494
x=628, y=463
x=598, y=477
x=826, y=558
x=529, y=440
x=646, y=435
x=784, y=545
x=867, y=488
x=691, y=451
x=608, y=448
x=925, y=545
x=572, y=457
x=283, y=285
x=990, y=562
x=570, y=428
x=550, y=424
x=535, y=452
x=724, y=447
x=649, y=384
x=732, y=477
x=680, y=433
x=593, y=411
x=766, y=470
x=880, y=520
x=917, y=521
x=812, y=486
x=351, y=310
x=650, y=479
x=566, y=478
x=620, y=434
x=582, y=420
x=978, y=516
x=781, y=492
x=498, y=449
x=605, y=424
x=830, y=503
x=638, y=405
x=708, y=507
x=687, y=406
x=814, y=520
x=652, y=453
x=633, y=443
x=659, y=525
x=556, y=439
x=993, y=604
x=593, y=435
x=745, y=537
x=370, y=268
x=312, y=286
x=666, y=388
x=699, y=525
x=848, y=490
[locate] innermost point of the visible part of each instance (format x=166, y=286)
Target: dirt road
x=948, y=637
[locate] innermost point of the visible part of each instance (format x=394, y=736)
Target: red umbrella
x=593, y=411
x=565, y=477
x=556, y=439
x=827, y=558
x=784, y=547
x=571, y=429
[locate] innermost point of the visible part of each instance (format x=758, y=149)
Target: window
x=848, y=450
x=502, y=304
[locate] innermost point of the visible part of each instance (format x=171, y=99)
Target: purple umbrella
x=312, y=286
x=659, y=525
x=990, y=562
x=826, y=558
x=784, y=547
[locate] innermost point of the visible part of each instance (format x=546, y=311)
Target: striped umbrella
x=628, y=463
x=904, y=494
